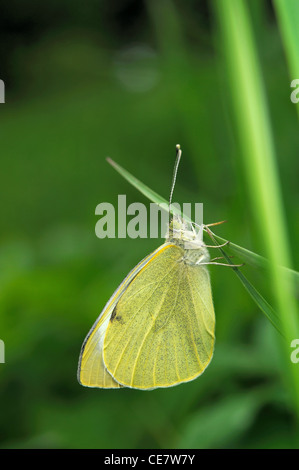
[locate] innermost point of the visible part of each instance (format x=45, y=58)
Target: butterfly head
x=184, y=234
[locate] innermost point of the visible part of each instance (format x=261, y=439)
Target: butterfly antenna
x=177, y=162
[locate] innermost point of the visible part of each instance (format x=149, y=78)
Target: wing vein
x=150, y=328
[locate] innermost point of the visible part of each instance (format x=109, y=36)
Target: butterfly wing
x=162, y=329
x=91, y=369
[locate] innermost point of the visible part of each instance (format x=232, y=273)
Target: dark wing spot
x=113, y=315
x=116, y=317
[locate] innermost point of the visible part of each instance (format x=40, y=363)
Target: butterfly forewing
x=91, y=369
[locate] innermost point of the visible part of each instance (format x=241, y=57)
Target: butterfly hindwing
x=161, y=332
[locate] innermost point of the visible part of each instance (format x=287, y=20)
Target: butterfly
x=158, y=328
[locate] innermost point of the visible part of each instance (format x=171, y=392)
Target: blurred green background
x=130, y=80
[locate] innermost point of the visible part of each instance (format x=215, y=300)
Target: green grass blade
x=145, y=190
x=288, y=20
x=255, y=260
x=259, y=161
x=264, y=306
x=256, y=296
x=246, y=256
